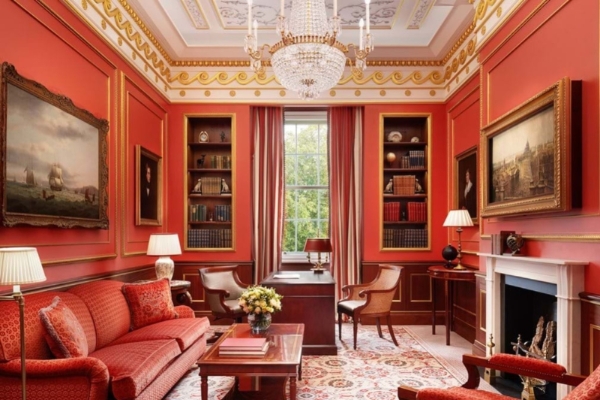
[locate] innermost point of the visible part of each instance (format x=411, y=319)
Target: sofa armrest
x=66, y=371
x=185, y=312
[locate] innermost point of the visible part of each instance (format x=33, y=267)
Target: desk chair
x=372, y=299
x=222, y=288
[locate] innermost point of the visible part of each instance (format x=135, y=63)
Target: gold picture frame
x=467, y=194
x=148, y=187
x=530, y=157
x=54, y=158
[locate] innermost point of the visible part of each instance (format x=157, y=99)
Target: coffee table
x=283, y=361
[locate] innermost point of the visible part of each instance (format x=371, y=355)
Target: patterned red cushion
x=588, y=389
x=149, y=302
x=458, y=393
x=64, y=333
x=185, y=330
x=530, y=363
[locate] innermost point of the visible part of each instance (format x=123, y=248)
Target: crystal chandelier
x=308, y=59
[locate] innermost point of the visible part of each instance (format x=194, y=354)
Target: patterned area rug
x=373, y=372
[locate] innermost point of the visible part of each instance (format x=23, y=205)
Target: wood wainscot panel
x=590, y=332
x=188, y=271
x=464, y=310
x=413, y=300
x=479, y=344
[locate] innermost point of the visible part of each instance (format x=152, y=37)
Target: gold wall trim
x=481, y=11
x=464, y=55
x=243, y=78
x=80, y=259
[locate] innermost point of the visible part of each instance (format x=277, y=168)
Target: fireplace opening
x=524, y=301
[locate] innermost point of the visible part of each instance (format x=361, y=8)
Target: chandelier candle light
x=308, y=59
x=458, y=218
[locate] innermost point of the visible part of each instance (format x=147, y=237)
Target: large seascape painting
x=54, y=170
x=530, y=157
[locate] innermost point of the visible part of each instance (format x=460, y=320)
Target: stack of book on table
x=244, y=347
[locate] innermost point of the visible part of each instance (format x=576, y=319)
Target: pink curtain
x=345, y=181
x=268, y=188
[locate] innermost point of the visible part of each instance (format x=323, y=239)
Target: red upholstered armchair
x=587, y=388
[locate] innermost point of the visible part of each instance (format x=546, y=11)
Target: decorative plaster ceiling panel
x=196, y=14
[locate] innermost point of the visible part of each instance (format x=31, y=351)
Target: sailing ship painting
x=47, y=138
x=55, y=179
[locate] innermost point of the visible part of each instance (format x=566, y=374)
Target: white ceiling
x=215, y=29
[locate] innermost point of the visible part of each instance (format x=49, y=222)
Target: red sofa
x=141, y=364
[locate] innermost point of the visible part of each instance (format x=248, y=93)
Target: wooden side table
x=449, y=276
x=179, y=290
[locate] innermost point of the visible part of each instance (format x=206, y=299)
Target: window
x=306, y=180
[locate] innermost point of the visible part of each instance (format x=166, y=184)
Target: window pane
x=290, y=170
x=290, y=138
x=289, y=236
x=323, y=139
x=323, y=170
x=306, y=229
x=307, y=170
x=307, y=204
x=324, y=205
x=324, y=229
x=290, y=204
x=308, y=136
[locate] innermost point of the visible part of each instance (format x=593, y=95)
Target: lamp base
x=164, y=267
x=459, y=267
x=317, y=269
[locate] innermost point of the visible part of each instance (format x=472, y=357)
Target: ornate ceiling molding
x=232, y=80
x=196, y=14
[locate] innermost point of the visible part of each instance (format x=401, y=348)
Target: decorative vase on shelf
x=259, y=322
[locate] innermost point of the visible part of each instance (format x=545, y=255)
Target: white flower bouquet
x=260, y=300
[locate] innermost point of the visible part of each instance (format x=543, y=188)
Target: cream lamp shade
x=20, y=266
x=164, y=245
x=458, y=218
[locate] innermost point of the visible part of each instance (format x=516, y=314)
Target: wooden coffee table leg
x=204, y=388
x=292, y=388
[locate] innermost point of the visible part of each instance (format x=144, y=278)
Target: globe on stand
x=390, y=157
x=449, y=253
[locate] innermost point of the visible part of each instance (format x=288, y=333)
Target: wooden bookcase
x=210, y=215
x=405, y=164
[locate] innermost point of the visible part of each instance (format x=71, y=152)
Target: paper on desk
x=287, y=276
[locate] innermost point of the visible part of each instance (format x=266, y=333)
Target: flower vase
x=259, y=322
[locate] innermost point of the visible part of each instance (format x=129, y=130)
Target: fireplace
x=568, y=276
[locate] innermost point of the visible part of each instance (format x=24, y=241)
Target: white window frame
x=304, y=117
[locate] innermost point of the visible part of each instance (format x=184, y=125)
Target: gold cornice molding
x=459, y=43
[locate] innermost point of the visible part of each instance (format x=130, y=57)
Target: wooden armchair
x=587, y=388
x=223, y=289
x=372, y=299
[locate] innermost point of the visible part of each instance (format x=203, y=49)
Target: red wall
x=560, y=39
x=48, y=48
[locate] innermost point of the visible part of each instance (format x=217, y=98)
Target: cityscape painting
x=526, y=155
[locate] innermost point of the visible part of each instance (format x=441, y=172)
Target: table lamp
x=20, y=266
x=458, y=218
x=317, y=245
x=164, y=245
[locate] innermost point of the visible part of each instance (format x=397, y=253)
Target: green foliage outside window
x=307, y=184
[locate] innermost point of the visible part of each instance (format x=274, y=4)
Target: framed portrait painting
x=466, y=183
x=54, y=158
x=531, y=157
x=148, y=187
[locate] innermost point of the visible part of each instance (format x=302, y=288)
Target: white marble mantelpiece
x=567, y=275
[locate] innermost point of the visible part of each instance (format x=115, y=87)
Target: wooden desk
x=309, y=299
x=449, y=276
x=283, y=361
